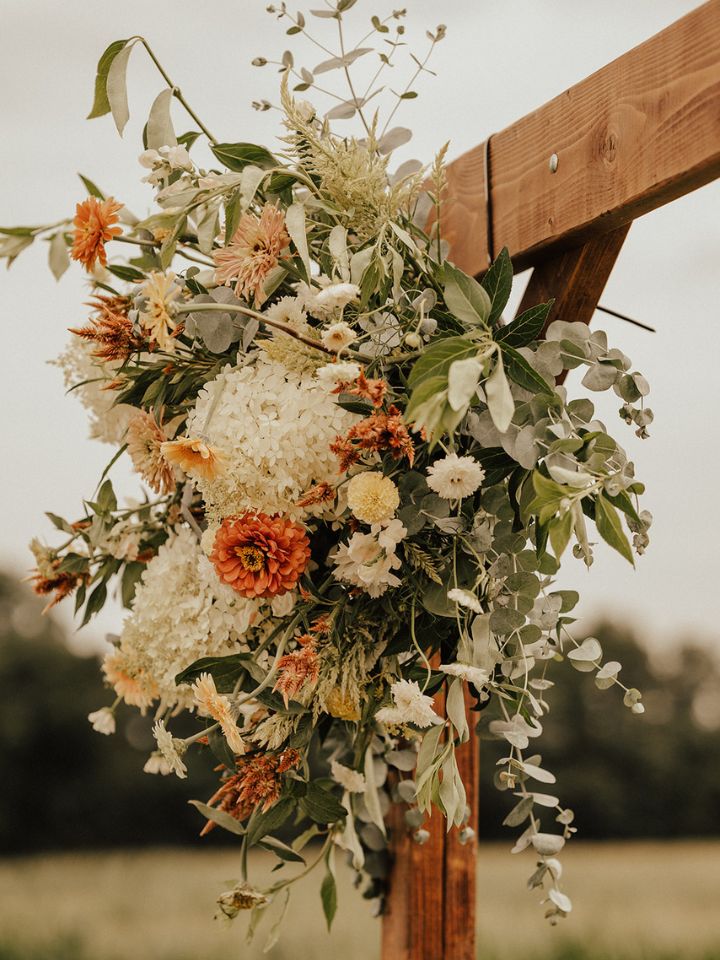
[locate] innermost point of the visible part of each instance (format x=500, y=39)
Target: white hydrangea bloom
x=275, y=427
x=350, y=780
x=368, y=559
x=411, y=706
x=108, y=421
x=182, y=612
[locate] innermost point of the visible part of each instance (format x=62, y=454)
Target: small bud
x=259, y=62
x=421, y=837
x=637, y=708
x=414, y=341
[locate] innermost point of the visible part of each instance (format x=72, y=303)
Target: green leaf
x=101, y=105
x=129, y=274
x=96, y=602
x=106, y=499
x=525, y=328
x=59, y=523
x=464, y=296
x=237, y=156
x=519, y=370
x=280, y=849
x=328, y=895
x=92, y=188
x=559, y=530
x=224, y=670
x=295, y=224
x=219, y=817
x=261, y=824
x=438, y=357
x=499, y=398
x=607, y=520
x=160, y=132
x=623, y=502
x=497, y=283
x=116, y=87
x=321, y=805
x=130, y=577
x=58, y=259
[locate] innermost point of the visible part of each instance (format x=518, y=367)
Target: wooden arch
x=559, y=188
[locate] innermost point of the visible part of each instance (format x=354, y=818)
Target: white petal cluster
x=103, y=721
x=182, y=612
x=411, y=705
x=342, y=372
x=464, y=598
x=169, y=749
x=368, y=559
x=474, y=675
x=455, y=477
x=350, y=780
x=274, y=426
x=108, y=421
x=327, y=302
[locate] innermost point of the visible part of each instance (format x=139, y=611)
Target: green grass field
x=650, y=901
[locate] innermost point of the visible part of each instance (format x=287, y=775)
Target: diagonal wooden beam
x=642, y=131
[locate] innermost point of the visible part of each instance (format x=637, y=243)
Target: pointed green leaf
x=117, y=87
x=499, y=398
x=464, y=296
x=437, y=358
x=519, y=370
x=525, y=328
x=237, y=156
x=58, y=258
x=497, y=283
x=92, y=188
x=607, y=520
x=160, y=132
x=101, y=105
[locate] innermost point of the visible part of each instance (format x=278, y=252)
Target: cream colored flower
x=170, y=748
x=241, y=897
x=338, y=336
x=474, y=675
x=372, y=498
x=194, y=457
x=455, y=477
x=103, y=721
x=464, y=598
x=351, y=780
x=144, y=444
x=343, y=372
x=411, y=706
x=157, y=318
x=336, y=296
x=217, y=706
x=156, y=763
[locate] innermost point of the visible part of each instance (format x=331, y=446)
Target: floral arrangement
x=360, y=480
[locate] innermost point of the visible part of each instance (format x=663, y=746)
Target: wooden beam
x=642, y=131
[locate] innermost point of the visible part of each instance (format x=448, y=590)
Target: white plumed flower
x=337, y=295
x=474, y=675
x=338, y=336
x=351, y=780
x=103, y=721
x=464, y=598
x=411, y=706
x=168, y=747
x=455, y=477
x=332, y=373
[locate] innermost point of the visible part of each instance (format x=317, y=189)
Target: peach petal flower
x=194, y=457
x=260, y=555
x=144, y=444
x=93, y=224
x=253, y=251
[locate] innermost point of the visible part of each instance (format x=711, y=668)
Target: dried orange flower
x=62, y=584
x=260, y=555
x=195, y=457
x=93, y=224
x=111, y=329
x=372, y=390
x=253, y=252
x=377, y=433
x=144, y=443
x=320, y=493
x=257, y=783
x=297, y=668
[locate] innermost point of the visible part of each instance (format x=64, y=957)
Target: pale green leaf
x=160, y=132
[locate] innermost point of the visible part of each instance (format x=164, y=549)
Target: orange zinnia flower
x=253, y=252
x=93, y=223
x=195, y=457
x=260, y=555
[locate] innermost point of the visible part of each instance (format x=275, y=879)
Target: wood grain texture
x=642, y=131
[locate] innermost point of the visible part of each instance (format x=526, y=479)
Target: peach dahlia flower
x=93, y=224
x=253, y=252
x=260, y=555
x=194, y=457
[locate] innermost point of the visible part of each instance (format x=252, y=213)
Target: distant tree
x=656, y=775
x=63, y=785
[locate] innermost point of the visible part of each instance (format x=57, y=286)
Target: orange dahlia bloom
x=93, y=223
x=260, y=555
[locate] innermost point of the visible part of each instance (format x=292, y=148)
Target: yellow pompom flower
x=372, y=497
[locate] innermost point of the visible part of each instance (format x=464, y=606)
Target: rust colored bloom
x=61, y=584
x=377, y=433
x=298, y=668
x=321, y=626
x=260, y=555
x=253, y=252
x=93, y=224
x=372, y=390
x=320, y=493
x=111, y=330
x=144, y=443
x=194, y=457
x=257, y=783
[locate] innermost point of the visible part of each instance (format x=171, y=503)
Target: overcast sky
x=501, y=59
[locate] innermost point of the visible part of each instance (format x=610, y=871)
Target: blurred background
x=101, y=862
